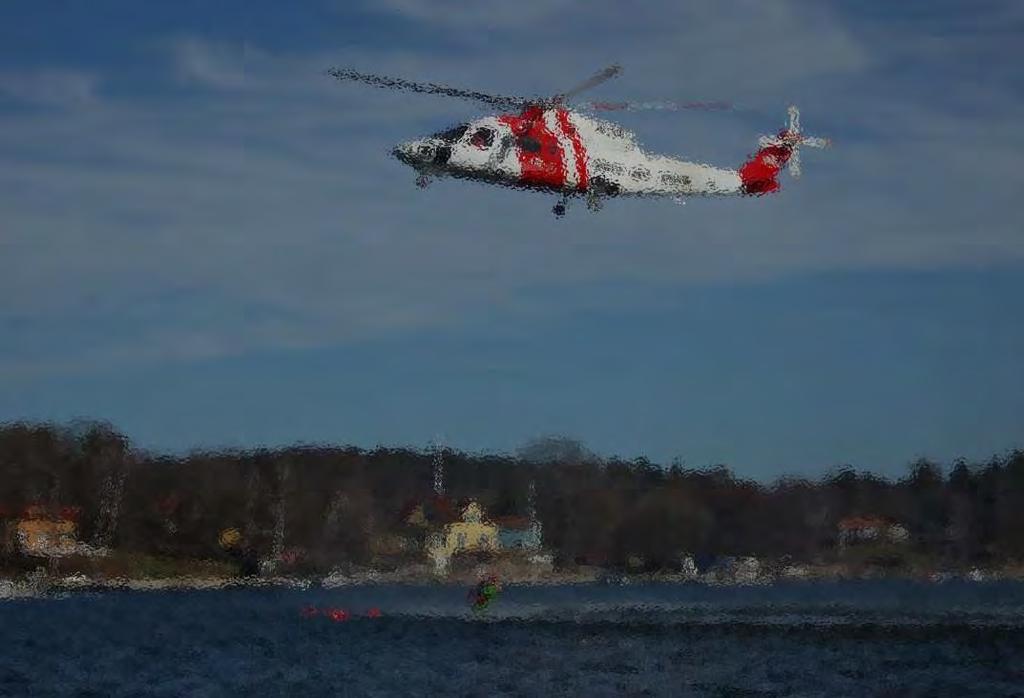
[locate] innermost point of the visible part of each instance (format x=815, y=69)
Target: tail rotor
x=794, y=138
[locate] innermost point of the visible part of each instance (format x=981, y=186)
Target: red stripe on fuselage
x=541, y=160
x=569, y=129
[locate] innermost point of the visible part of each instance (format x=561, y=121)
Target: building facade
x=473, y=533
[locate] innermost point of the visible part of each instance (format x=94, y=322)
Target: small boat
x=481, y=596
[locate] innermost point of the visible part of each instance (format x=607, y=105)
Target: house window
x=483, y=138
x=460, y=541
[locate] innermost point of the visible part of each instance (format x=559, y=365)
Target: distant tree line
x=334, y=502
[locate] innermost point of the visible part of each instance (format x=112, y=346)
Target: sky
x=204, y=240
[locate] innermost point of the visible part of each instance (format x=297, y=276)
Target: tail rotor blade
x=794, y=140
x=812, y=142
x=794, y=163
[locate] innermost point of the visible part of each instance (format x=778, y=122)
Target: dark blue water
x=836, y=639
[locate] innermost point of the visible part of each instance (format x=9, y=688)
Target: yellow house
x=472, y=534
x=46, y=537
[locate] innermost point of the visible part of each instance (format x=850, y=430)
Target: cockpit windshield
x=452, y=134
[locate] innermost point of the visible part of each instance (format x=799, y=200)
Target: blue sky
x=203, y=240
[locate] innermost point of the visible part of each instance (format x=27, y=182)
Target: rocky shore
x=39, y=582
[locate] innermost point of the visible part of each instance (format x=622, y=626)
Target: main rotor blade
x=645, y=106
x=385, y=82
x=606, y=74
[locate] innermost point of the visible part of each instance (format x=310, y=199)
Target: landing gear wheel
x=422, y=181
x=559, y=209
x=594, y=202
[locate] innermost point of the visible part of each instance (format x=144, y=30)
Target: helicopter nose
x=403, y=152
x=414, y=152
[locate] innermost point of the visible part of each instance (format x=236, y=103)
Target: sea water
x=804, y=639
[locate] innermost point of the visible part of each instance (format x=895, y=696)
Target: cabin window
x=506, y=144
x=452, y=134
x=605, y=166
x=530, y=145
x=675, y=180
x=483, y=138
x=640, y=173
x=610, y=129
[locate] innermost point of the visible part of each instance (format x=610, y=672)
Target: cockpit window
x=483, y=138
x=452, y=134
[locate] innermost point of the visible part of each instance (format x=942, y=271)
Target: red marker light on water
x=338, y=615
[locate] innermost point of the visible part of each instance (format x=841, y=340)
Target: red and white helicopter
x=550, y=146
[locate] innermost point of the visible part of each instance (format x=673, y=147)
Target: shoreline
x=27, y=587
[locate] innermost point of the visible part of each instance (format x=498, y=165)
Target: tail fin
x=759, y=174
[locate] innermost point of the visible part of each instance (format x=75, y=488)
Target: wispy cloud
x=219, y=65
x=472, y=16
x=49, y=87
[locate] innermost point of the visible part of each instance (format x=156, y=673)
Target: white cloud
x=218, y=65
x=471, y=16
x=59, y=88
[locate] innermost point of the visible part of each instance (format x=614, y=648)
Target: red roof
x=436, y=510
x=72, y=513
x=408, y=508
x=515, y=523
x=440, y=509
x=45, y=511
x=859, y=523
x=168, y=505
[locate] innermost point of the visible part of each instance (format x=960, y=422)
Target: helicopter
x=550, y=145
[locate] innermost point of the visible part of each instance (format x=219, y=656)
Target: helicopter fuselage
x=559, y=150
x=550, y=147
